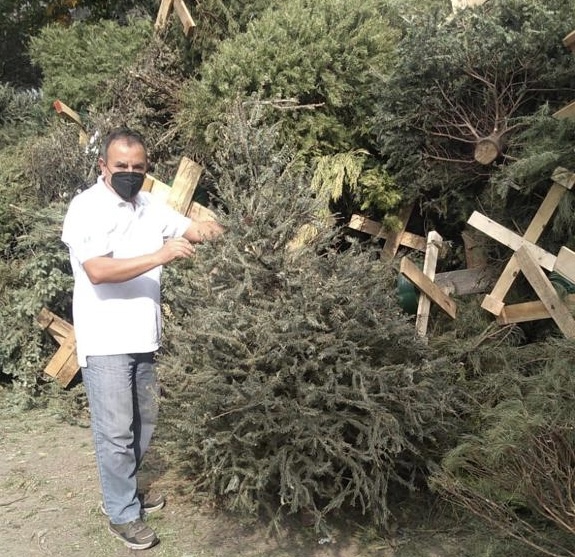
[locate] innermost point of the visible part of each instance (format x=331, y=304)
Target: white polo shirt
x=125, y=317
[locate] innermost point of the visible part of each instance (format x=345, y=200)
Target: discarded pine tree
x=292, y=378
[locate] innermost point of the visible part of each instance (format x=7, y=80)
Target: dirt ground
x=49, y=500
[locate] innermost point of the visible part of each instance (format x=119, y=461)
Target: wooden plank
x=510, y=239
x=393, y=240
x=148, y=183
x=65, y=111
x=413, y=273
x=200, y=213
x=530, y=311
x=163, y=14
x=63, y=366
x=160, y=190
x=565, y=113
x=475, y=256
x=465, y=281
x=434, y=243
x=184, y=186
x=544, y=289
x=407, y=239
x=56, y=326
x=569, y=41
x=565, y=263
x=563, y=180
x=185, y=17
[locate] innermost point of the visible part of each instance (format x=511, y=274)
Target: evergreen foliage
x=481, y=73
x=516, y=470
x=78, y=61
x=315, y=63
x=293, y=380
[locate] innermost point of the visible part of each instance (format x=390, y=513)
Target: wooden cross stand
x=183, y=13
x=529, y=258
x=473, y=280
x=64, y=364
x=424, y=280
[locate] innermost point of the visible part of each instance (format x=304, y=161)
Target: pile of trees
x=293, y=379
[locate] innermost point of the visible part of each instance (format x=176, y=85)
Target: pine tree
x=292, y=378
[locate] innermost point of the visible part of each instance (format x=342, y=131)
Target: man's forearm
x=108, y=269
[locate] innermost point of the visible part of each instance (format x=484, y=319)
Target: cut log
x=487, y=149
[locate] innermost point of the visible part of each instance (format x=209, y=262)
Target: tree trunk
x=487, y=149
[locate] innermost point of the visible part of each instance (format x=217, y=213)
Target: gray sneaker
x=135, y=534
x=150, y=502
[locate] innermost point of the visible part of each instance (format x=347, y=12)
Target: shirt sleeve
x=174, y=224
x=85, y=236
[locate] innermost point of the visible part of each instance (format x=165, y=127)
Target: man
x=119, y=238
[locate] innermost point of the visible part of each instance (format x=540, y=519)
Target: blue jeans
x=123, y=398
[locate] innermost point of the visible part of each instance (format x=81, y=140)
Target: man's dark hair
x=125, y=134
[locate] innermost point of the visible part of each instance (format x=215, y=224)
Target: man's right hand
x=175, y=248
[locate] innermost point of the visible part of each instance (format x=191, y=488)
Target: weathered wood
x=200, y=213
x=63, y=366
x=565, y=263
x=544, y=289
x=185, y=17
x=569, y=41
x=563, y=180
x=434, y=242
x=56, y=326
x=407, y=239
x=475, y=256
x=530, y=311
x=487, y=149
x=414, y=274
x=157, y=188
x=65, y=111
x=510, y=239
x=163, y=14
x=393, y=240
x=465, y=281
x=565, y=113
x=184, y=186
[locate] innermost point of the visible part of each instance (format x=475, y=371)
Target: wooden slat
x=563, y=180
x=475, y=256
x=185, y=17
x=184, y=186
x=407, y=239
x=567, y=112
x=148, y=183
x=65, y=111
x=412, y=272
x=56, y=326
x=393, y=240
x=200, y=213
x=160, y=190
x=510, y=239
x=163, y=14
x=544, y=289
x=530, y=311
x=569, y=41
x=63, y=366
x=565, y=264
x=434, y=243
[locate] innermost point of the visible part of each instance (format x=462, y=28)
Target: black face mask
x=127, y=184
